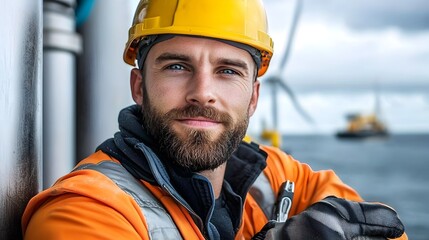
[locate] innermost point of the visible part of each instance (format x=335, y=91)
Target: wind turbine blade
x=295, y=101
x=297, y=13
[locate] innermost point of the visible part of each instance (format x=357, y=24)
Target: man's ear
x=136, y=82
x=255, y=97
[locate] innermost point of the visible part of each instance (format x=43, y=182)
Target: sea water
x=393, y=170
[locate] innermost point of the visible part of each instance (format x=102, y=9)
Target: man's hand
x=340, y=219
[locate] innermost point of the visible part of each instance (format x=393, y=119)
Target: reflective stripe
x=161, y=225
x=264, y=195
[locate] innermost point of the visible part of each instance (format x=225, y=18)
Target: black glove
x=339, y=219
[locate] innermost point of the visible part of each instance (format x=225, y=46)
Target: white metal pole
x=61, y=44
x=20, y=110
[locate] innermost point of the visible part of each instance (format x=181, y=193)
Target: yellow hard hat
x=242, y=21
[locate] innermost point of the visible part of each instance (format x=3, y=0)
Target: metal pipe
x=60, y=46
x=20, y=110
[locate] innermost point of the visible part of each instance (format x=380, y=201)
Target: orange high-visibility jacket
x=86, y=203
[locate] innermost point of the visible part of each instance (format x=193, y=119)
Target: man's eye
x=175, y=67
x=228, y=71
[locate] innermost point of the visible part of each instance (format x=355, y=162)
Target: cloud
x=352, y=44
x=343, y=57
x=410, y=16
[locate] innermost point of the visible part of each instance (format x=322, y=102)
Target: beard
x=197, y=150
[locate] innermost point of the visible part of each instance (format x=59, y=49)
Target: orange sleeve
x=310, y=186
x=72, y=216
x=83, y=204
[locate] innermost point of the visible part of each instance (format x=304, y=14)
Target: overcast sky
x=342, y=43
x=342, y=52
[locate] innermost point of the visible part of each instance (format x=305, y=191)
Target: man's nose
x=201, y=89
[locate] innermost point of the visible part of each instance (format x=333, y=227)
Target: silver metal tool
x=284, y=201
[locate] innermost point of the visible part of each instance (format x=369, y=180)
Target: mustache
x=190, y=111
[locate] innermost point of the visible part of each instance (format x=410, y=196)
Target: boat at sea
x=363, y=126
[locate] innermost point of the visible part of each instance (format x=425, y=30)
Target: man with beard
x=178, y=168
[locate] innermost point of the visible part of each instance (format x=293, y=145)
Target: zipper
x=200, y=221
x=152, y=158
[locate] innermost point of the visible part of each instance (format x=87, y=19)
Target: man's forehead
x=185, y=40
x=181, y=41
